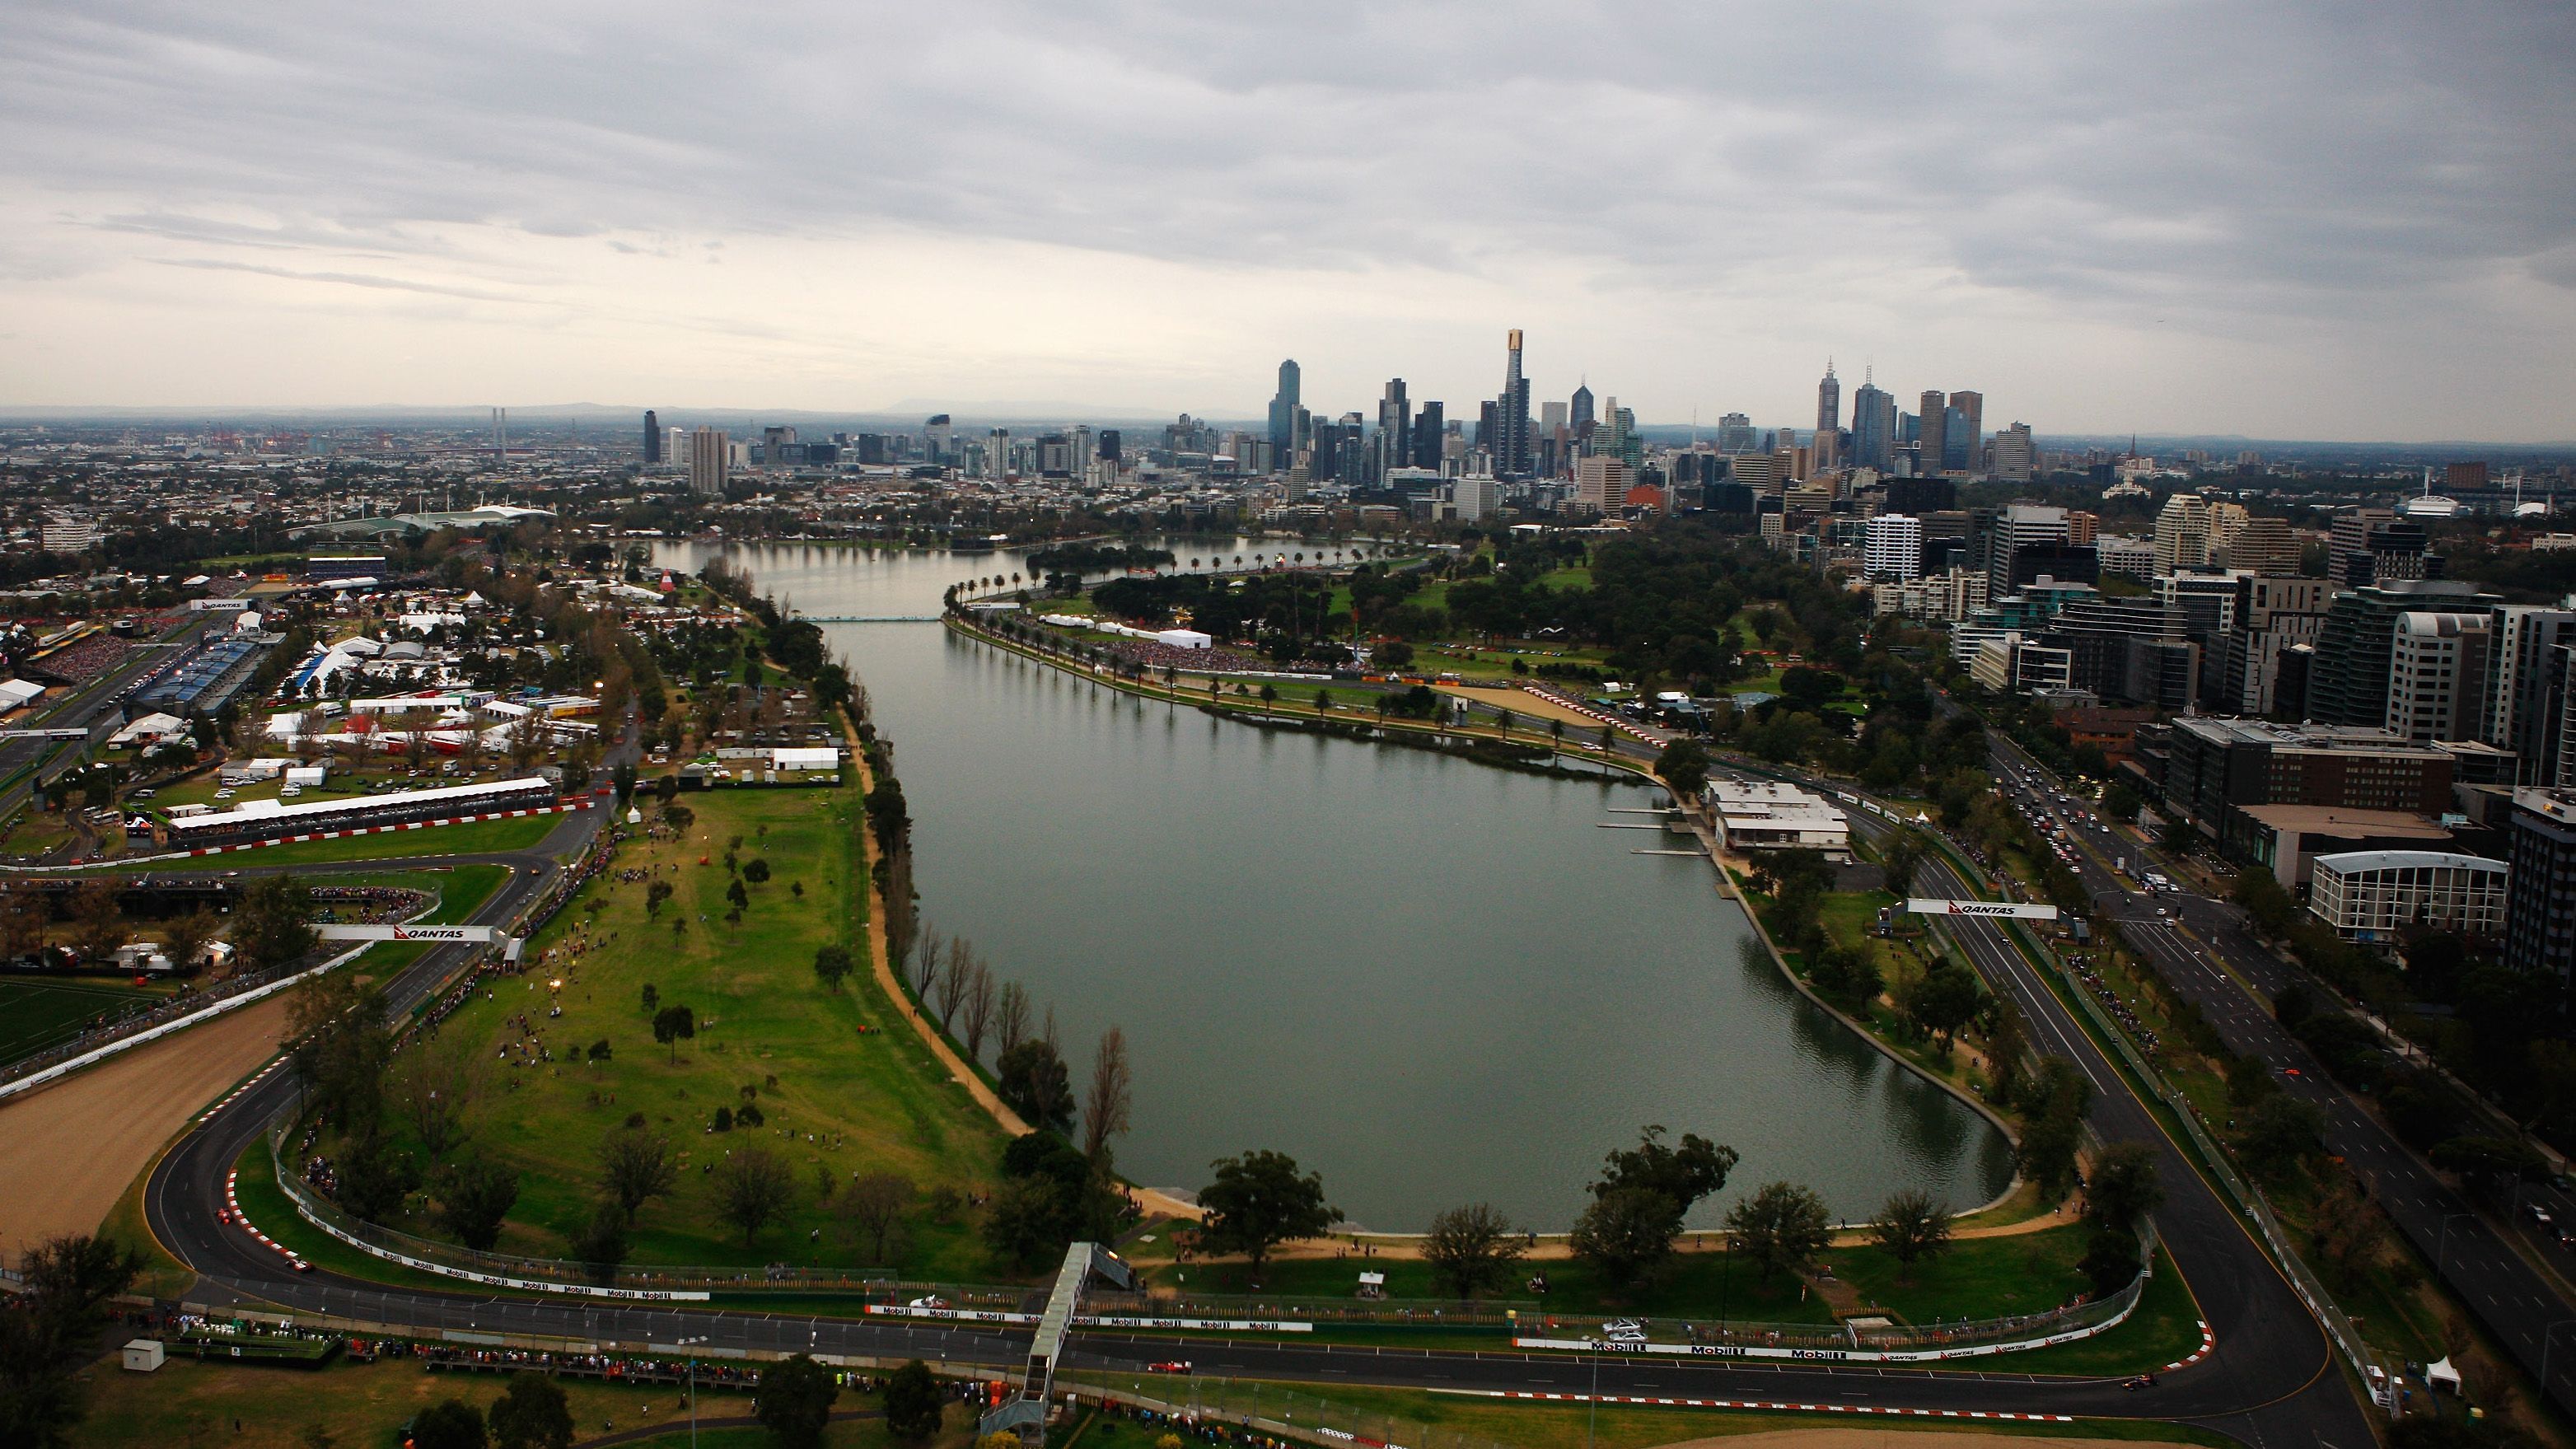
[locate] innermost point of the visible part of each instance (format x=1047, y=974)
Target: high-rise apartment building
x=2348, y=680
x=1601, y=483
x=2540, y=906
x=1892, y=548
x=2263, y=546
x=2182, y=533
x=652, y=438
x=710, y=462
x=2437, y=675
x=2527, y=687
x=1284, y=406
x=1512, y=415
x=1933, y=431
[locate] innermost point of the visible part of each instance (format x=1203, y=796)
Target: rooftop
x=2336, y=820
x=2354, y=862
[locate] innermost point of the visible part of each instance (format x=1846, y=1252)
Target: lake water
x=1432, y=981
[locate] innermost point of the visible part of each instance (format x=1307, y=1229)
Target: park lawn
x=2165, y=1328
x=478, y=837
x=871, y=1100
x=189, y=1403
x=36, y=1014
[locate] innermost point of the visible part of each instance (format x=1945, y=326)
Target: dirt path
x=69, y=1151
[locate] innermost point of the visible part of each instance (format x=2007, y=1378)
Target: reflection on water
x=1432, y=981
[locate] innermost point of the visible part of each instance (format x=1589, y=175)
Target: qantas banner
x=2006, y=909
x=404, y=933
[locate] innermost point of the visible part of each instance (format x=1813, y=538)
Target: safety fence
x=1239, y=1409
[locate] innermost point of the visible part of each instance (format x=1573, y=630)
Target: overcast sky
x=2287, y=220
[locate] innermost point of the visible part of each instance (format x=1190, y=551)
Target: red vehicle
x=1169, y=1366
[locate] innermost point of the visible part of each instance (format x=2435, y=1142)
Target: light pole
x=691, y=1344
x=2441, y=1256
x=2545, y=1335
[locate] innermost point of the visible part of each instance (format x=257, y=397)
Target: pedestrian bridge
x=869, y=618
x=1025, y=1413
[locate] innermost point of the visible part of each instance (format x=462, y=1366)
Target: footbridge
x=1025, y=1413
x=869, y=618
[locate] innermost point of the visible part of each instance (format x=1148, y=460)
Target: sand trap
x=69, y=1151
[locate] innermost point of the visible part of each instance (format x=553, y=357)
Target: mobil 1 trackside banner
x=2009, y=910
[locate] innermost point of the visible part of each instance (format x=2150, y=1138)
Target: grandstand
x=208, y=680
x=270, y=820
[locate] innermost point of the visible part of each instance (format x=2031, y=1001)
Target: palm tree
x=1323, y=702
x=1269, y=694
x=1172, y=685
x=1555, y=733
x=1505, y=716
x=1382, y=701
x=1194, y=566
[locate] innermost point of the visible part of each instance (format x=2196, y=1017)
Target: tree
x=2123, y=1187
x=913, y=1403
x=1912, y=1226
x=448, y=1424
x=874, y=1206
x=2055, y=1101
x=652, y=999
x=2281, y=1132
x=756, y=870
x=635, y=1166
x=2265, y=900
x=1942, y=999
x=1471, y=1249
x=49, y=1331
x=435, y=1084
x=1030, y=1219
x=1110, y=1097
x=1011, y=1018
x=1684, y=766
x=753, y=1186
x=832, y=965
x=473, y=1197
x=600, y=1245
x=2110, y=1261
x=1782, y=1226
x=1031, y=1080
x=679, y=817
x=531, y=1413
x=98, y=925
x=736, y=896
x=976, y=1014
x=796, y=1397
x=374, y=1176
x=273, y=924
x=187, y=936
x=673, y=1025
x=336, y=1030
x=1258, y=1201
x=1899, y=859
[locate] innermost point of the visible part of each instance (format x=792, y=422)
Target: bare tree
x=634, y=1165
x=979, y=1009
x=436, y=1084
x=1011, y=1020
x=874, y=1208
x=753, y=1187
x=23, y=918
x=1105, y=1106
x=961, y=962
x=926, y=962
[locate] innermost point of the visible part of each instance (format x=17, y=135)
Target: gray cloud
x=2239, y=167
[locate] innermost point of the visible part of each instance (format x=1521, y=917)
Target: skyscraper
x=1579, y=416
x=1430, y=429
x=2348, y=680
x=652, y=438
x=1512, y=416
x=1935, y=414
x=2016, y=459
x=1892, y=547
x=1829, y=418
x=1971, y=443
x=1393, y=445
x=1283, y=410
x=1735, y=434
x=1873, y=427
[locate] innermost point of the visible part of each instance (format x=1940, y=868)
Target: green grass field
x=870, y=1098
x=360, y=1406
x=480, y=837
x=35, y=1015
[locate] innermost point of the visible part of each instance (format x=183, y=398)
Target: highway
x=2208, y=953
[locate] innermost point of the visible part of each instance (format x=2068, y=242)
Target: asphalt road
x=2205, y=949
x=86, y=705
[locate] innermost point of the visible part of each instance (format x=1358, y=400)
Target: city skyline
x=1023, y=210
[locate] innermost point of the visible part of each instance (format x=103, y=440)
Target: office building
x=1769, y=815
x=652, y=438
x=1893, y=547
x=710, y=462
x=1391, y=447
x=2371, y=896
x=2214, y=764
x=1932, y=431
x=1284, y=407
x=2349, y=681
x=2018, y=526
x=1964, y=432
x=1579, y=416
x=2375, y=545
x=2182, y=533
x=1736, y=434
x=2257, y=546
x=2437, y=676
x=1829, y=419
x=1475, y=497
x=2120, y=554
x=2540, y=913
x=2527, y=661
x=2016, y=457
x=1601, y=484
x=1873, y=427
